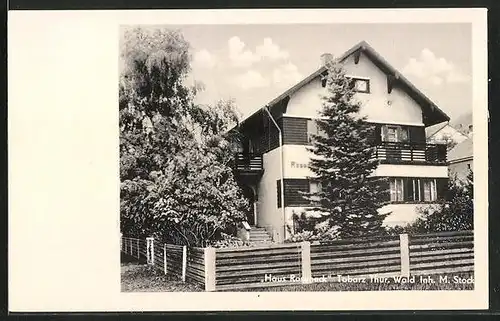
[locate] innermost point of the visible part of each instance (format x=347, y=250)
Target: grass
x=138, y=277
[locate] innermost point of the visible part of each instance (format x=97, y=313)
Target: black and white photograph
x=248, y=160
x=262, y=158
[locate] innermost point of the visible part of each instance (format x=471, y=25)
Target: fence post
x=275, y=236
x=184, y=262
x=165, y=258
x=209, y=253
x=405, y=255
x=138, y=252
x=153, y=251
x=306, y=275
x=150, y=254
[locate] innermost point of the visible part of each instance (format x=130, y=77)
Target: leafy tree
x=175, y=156
x=343, y=161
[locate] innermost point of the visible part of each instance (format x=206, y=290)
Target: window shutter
x=383, y=134
x=421, y=183
x=441, y=188
x=278, y=190
x=417, y=134
x=385, y=186
x=403, y=134
x=293, y=189
x=408, y=189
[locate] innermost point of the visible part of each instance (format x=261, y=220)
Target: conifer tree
x=343, y=161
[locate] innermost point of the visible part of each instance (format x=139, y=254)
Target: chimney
x=325, y=58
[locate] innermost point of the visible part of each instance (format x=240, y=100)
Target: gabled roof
x=429, y=108
x=461, y=152
x=434, y=129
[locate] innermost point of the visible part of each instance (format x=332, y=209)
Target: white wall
x=296, y=157
x=306, y=102
x=411, y=170
x=296, y=161
x=402, y=214
x=268, y=213
x=460, y=170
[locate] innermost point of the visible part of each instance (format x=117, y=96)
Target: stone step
x=260, y=236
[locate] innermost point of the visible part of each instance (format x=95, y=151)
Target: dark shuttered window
x=295, y=131
x=293, y=192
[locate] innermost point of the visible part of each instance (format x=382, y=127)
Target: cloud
x=270, y=50
x=238, y=56
x=433, y=69
x=204, y=58
x=286, y=75
x=241, y=57
x=251, y=79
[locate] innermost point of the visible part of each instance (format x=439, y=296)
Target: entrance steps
x=260, y=235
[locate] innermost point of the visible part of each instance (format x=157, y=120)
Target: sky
x=252, y=64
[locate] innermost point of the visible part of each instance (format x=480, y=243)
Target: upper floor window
x=394, y=133
x=361, y=85
x=313, y=129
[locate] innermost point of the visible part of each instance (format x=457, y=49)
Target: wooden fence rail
x=284, y=264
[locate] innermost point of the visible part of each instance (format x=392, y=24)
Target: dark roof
x=428, y=106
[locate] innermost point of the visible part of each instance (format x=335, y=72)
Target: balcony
x=249, y=163
x=411, y=153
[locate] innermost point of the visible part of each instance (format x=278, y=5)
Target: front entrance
x=249, y=194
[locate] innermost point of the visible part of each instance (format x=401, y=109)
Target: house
x=275, y=138
x=460, y=159
x=443, y=133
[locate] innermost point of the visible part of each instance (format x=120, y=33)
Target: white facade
x=380, y=106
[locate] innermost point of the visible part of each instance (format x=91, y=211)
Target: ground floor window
x=411, y=189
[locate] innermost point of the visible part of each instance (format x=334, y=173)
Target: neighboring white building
x=460, y=159
x=443, y=132
x=418, y=171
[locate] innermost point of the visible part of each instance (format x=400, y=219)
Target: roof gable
x=431, y=113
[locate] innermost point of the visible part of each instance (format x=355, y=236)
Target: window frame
x=365, y=80
x=421, y=186
x=319, y=188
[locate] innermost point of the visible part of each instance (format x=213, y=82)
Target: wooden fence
x=284, y=264
x=134, y=247
x=357, y=257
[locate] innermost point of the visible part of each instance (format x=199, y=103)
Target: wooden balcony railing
x=249, y=162
x=411, y=153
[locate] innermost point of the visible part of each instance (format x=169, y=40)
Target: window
x=410, y=189
x=396, y=189
x=313, y=129
x=315, y=187
x=429, y=190
x=361, y=85
x=394, y=133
